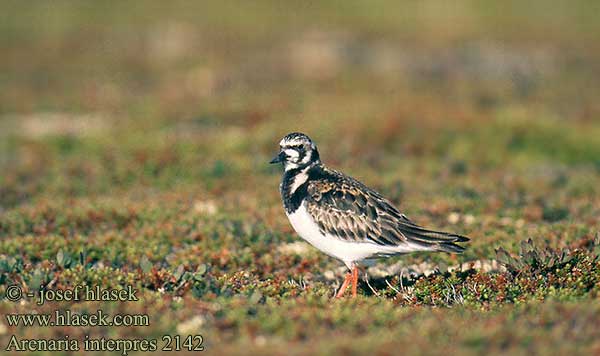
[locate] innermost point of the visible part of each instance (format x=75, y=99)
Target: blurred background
x=139, y=91
x=135, y=136
x=419, y=99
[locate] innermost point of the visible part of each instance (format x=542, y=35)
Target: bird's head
x=296, y=150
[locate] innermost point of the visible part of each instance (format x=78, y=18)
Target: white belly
x=348, y=252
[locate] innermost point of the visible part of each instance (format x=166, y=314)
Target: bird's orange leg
x=344, y=286
x=354, y=281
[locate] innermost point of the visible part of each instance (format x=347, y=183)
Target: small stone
x=206, y=207
x=469, y=219
x=295, y=248
x=191, y=325
x=260, y=340
x=329, y=275
x=453, y=218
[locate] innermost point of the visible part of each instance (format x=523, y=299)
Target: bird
x=344, y=218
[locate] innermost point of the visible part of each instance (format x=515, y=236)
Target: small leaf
x=37, y=280
x=68, y=260
x=526, y=247
x=442, y=267
x=197, y=291
x=201, y=270
x=145, y=264
x=60, y=258
x=504, y=258
x=179, y=272
x=566, y=255
x=256, y=297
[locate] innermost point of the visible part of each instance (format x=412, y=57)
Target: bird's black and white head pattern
x=298, y=154
x=297, y=150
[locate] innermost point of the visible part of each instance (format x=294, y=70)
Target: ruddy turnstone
x=344, y=218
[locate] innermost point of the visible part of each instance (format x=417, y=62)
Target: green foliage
x=134, y=141
x=533, y=259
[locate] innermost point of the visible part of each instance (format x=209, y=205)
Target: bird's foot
x=344, y=286
x=351, y=278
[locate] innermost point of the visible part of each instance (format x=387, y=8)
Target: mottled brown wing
x=349, y=210
x=352, y=214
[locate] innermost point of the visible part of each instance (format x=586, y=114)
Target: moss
x=133, y=150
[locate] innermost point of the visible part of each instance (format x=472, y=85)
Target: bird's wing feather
x=345, y=208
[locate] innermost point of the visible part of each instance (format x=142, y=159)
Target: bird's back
x=346, y=208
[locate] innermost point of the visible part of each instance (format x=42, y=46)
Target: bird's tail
x=435, y=240
x=449, y=247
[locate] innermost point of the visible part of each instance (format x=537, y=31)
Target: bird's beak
x=279, y=158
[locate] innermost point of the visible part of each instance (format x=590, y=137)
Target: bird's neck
x=293, y=186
